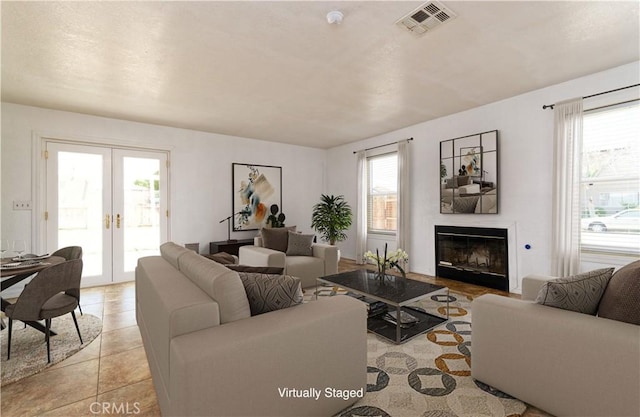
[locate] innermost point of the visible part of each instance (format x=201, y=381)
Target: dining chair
x=69, y=253
x=47, y=296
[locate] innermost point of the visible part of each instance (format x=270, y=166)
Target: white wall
x=200, y=170
x=525, y=170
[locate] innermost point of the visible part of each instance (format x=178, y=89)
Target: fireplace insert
x=476, y=255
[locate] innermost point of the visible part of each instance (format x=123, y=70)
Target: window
x=610, y=182
x=382, y=193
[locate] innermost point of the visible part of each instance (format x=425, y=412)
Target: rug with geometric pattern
x=430, y=375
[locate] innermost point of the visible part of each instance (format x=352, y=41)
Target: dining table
x=14, y=275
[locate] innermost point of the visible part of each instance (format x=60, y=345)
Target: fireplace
x=476, y=255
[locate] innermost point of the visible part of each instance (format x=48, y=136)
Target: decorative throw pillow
x=621, y=299
x=463, y=180
x=465, y=204
x=267, y=292
x=222, y=258
x=258, y=269
x=451, y=183
x=579, y=293
x=277, y=238
x=299, y=244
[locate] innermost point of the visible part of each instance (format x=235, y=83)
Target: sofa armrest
x=291, y=348
x=330, y=255
x=563, y=362
x=258, y=256
x=531, y=285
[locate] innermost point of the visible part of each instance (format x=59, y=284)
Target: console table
x=231, y=248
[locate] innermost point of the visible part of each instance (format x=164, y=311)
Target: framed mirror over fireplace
x=469, y=174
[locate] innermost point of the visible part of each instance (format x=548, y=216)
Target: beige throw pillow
x=579, y=293
x=299, y=245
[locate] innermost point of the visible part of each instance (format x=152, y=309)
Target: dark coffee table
x=398, y=293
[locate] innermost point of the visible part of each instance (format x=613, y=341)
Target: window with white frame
x=610, y=181
x=382, y=193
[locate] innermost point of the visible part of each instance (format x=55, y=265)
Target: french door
x=110, y=201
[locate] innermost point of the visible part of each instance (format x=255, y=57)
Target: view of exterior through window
x=382, y=193
x=610, y=182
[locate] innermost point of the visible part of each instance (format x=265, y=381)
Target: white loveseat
x=563, y=362
x=323, y=262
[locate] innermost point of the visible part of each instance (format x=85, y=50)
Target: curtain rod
x=550, y=106
x=380, y=146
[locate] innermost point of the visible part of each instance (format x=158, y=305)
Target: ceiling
x=278, y=71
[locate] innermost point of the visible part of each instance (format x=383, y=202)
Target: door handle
x=118, y=221
x=107, y=221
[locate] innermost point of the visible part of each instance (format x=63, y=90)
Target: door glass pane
x=80, y=207
x=141, y=219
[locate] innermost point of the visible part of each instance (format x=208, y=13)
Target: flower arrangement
x=391, y=260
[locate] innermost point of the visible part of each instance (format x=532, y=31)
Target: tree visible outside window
x=610, y=181
x=382, y=193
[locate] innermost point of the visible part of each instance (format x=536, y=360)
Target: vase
x=382, y=271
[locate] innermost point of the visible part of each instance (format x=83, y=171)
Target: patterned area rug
x=429, y=376
x=29, y=349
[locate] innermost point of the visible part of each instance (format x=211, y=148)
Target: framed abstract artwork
x=255, y=189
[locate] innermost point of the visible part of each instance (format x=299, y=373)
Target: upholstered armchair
x=320, y=260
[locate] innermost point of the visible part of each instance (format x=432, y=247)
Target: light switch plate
x=22, y=205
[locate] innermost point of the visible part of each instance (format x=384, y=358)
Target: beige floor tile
x=52, y=389
x=120, y=291
x=81, y=408
x=120, y=340
x=94, y=309
x=120, y=305
x=122, y=369
x=91, y=297
x=139, y=399
x=118, y=320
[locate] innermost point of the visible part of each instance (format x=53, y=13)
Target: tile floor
x=113, y=369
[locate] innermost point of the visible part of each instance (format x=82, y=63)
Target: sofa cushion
x=621, y=299
x=276, y=238
x=465, y=204
x=579, y=293
x=299, y=244
x=269, y=292
x=220, y=283
x=172, y=252
x=257, y=269
x=222, y=258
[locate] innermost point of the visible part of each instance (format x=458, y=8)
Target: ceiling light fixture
x=335, y=17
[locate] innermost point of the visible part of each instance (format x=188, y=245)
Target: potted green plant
x=331, y=217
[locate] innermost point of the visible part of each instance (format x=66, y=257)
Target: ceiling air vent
x=426, y=18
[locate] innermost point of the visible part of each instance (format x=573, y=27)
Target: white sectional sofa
x=563, y=362
x=209, y=357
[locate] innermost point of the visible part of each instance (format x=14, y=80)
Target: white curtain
x=361, y=207
x=565, y=256
x=403, y=234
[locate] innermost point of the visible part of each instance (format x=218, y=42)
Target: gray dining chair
x=47, y=297
x=69, y=253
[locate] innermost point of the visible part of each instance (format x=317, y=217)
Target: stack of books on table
x=374, y=307
x=406, y=319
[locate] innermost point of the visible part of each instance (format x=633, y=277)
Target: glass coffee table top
x=393, y=290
